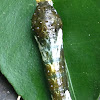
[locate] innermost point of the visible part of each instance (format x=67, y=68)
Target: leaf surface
x=20, y=59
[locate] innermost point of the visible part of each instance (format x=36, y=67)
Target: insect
x=48, y=33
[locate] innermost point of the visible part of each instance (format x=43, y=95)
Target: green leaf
x=81, y=25
x=20, y=60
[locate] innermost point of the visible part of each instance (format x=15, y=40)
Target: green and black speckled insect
x=48, y=33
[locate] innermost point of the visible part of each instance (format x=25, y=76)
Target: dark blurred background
x=6, y=90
